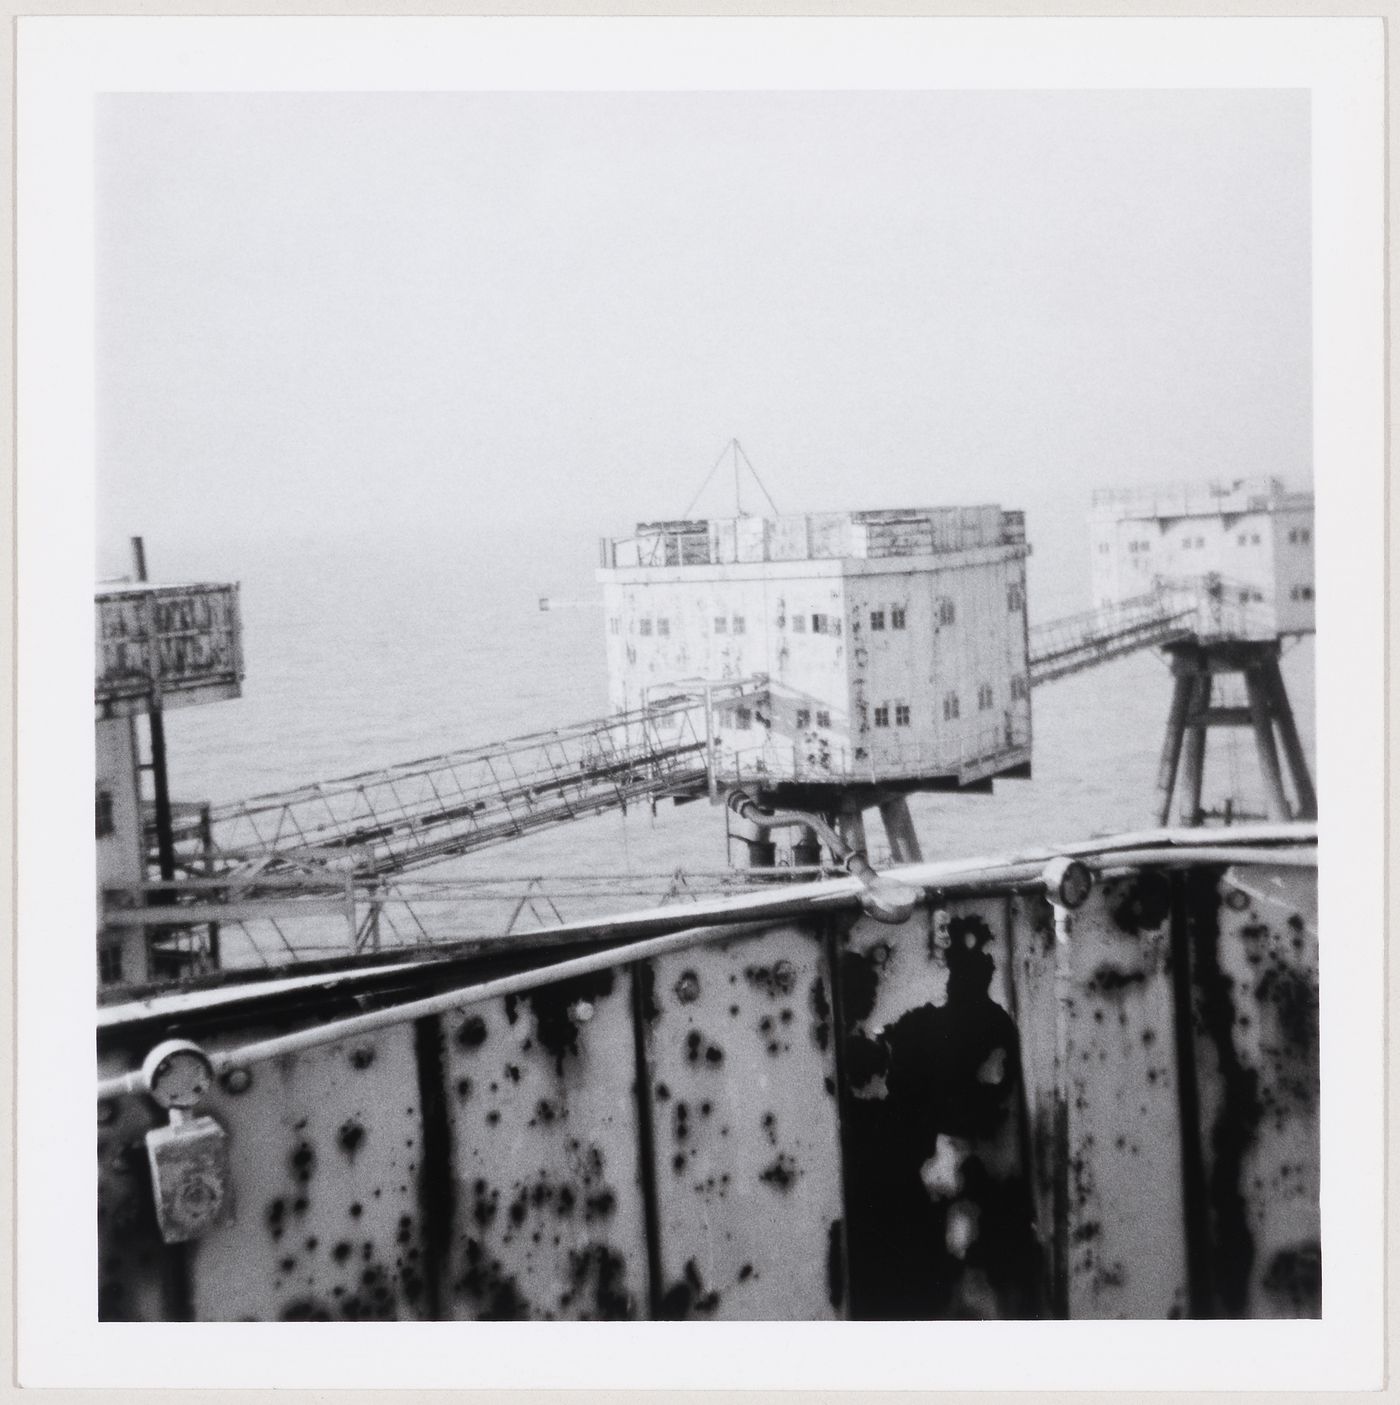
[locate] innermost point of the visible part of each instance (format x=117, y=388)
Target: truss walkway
x=421, y=812
x=1076, y=642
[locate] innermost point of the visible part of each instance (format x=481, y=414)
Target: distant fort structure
x=1234, y=561
x=888, y=650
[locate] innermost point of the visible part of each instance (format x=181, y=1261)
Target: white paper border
x=63, y=62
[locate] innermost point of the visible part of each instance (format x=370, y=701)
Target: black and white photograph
x=708, y=704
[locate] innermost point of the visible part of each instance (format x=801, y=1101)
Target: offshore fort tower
x=887, y=652
x=1239, y=556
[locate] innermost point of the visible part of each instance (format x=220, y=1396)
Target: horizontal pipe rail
x=337, y=1030
x=932, y=879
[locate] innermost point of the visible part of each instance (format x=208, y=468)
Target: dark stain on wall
x=916, y=1248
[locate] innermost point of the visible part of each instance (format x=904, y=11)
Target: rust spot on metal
x=687, y=988
x=1111, y=980
x=471, y=1033
x=350, y=1137
x=1294, y=1279
x=821, y=1014
x=773, y=980
x=486, y=1282
x=1141, y=903
x=558, y=1009
x=303, y=1161
x=236, y=1081
x=782, y=1173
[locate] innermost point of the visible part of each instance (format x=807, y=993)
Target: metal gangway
x=403, y=816
x=1076, y=642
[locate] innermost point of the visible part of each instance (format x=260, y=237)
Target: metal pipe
x=336, y=1030
x=885, y=899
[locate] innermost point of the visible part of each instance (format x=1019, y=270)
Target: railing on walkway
x=420, y=812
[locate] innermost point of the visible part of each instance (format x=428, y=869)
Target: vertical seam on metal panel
x=639, y=972
x=177, y=1284
x=1195, y=1206
x=838, y=1037
x=1044, y=1288
x=436, y=1192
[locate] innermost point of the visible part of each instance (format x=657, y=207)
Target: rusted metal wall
x=962, y=1116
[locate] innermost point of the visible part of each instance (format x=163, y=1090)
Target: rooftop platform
x=815, y=536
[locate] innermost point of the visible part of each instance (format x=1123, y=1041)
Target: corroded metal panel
x=549, y=1221
x=137, y=1275
x=325, y=1151
x=1255, y=963
x=940, y=1208
x=1125, y=1216
x=747, y=1147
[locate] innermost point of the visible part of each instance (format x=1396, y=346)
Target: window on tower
x=897, y=617
x=882, y=715
x=901, y=714
x=877, y=619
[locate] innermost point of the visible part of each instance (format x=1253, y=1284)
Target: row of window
x=1301, y=592
x=662, y=627
x=900, y=714
x=1247, y=539
x=1300, y=536
x=893, y=618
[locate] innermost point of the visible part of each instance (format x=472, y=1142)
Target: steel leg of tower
x=1183, y=686
x=1195, y=757
x=1272, y=680
x=850, y=825
x=1262, y=720
x=899, y=829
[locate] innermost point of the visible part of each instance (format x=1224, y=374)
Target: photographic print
x=706, y=705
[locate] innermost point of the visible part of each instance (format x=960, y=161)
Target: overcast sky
x=398, y=314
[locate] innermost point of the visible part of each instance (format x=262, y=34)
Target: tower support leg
x=1262, y=720
x=850, y=825
x=1272, y=679
x=899, y=830
x=1195, y=757
x=1183, y=685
